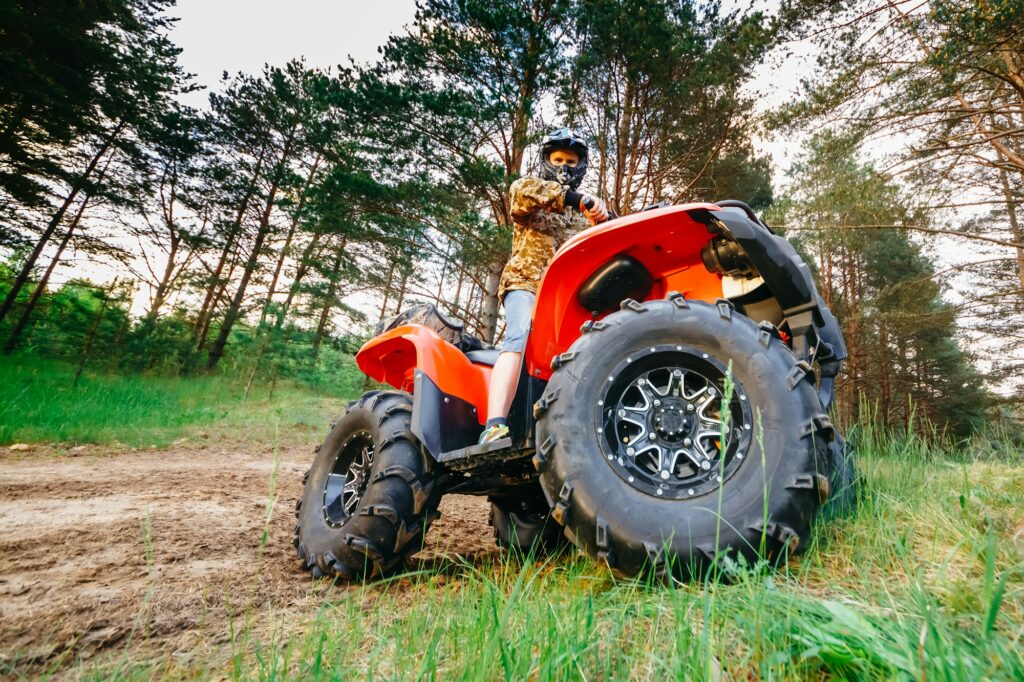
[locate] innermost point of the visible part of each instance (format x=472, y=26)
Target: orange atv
x=668, y=414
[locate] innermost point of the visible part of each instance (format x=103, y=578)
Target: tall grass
x=925, y=581
x=38, y=402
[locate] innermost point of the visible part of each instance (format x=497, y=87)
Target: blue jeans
x=518, y=311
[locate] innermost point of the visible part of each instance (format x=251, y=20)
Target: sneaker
x=494, y=433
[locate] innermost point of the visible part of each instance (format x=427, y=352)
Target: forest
x=264, y=234
x=188, y=268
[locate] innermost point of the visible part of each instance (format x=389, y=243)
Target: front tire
x=370, y=495
x=628, y=455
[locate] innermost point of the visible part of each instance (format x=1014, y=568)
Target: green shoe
x=493, y=433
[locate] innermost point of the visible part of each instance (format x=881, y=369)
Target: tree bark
x=321, y=327
x=40, y=288
x=216, y=286
x=288, y=241
x=44, y=238
x=234, y=309
x=489, y=307
x=1015, y=229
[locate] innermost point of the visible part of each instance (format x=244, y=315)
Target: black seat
x=484, y=357
x=620, y=278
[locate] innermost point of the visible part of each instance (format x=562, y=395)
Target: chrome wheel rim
x=350, y=474
x=660, y=422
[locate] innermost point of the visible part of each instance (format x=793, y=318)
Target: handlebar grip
x=587, y=202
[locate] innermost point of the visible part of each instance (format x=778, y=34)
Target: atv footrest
x=478, y=450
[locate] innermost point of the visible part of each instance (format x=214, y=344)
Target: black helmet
x=563, y=138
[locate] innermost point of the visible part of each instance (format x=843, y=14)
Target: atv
x=672, y=411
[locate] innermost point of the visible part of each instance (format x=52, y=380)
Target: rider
x=546, y=211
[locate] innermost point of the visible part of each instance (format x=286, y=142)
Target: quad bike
x=671, y=411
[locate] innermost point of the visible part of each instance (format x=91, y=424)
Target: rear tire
x=634, y=512
x=525, y=526
x=370, y=495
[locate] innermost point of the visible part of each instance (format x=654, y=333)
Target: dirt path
x=101, y=550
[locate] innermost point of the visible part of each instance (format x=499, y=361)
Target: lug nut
x=690, y=407
x=657, y=403
x=687, y=441
x=705, y=465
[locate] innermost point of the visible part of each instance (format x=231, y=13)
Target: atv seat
x=487, y=356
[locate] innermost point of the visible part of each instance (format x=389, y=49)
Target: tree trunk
x=164, y=285
x=288, y=241
x=30, y=306
x=321, y=327
x=302, y=270
x=44, y=238
x=1018, y=236
x=387, y=293
x=401, y=292
x=92, y=333
x=489, y=303
x=234, y=309
x=216, y=286
x=221, y=289
x=37, y=292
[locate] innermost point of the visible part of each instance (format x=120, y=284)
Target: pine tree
x=905, y=358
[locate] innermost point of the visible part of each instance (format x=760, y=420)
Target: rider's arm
x=529, y=195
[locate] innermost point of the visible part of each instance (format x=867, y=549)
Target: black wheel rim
x=660, y=422
x=348, y=479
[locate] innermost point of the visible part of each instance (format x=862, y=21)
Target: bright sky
x=242, y=35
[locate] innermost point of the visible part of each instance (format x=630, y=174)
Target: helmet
x=563, y=138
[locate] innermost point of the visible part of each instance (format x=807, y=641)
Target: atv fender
x=815, y=330
x=449, y=391
x=666, y=241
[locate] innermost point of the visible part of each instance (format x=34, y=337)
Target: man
x=546, y=211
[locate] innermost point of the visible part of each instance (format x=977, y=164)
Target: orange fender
x=668, y=241
x=394, y=357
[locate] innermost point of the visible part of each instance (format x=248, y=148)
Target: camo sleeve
x=530, y=195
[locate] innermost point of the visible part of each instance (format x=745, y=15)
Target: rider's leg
x=504, y=378
x=505, y=374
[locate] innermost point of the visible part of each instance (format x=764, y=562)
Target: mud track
x=102, y=550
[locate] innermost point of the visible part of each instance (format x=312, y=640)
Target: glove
x=597, y=213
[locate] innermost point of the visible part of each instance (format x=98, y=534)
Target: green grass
x=924, y=582
x=39, y=403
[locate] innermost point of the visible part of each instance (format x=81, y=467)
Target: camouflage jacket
x=541, y=224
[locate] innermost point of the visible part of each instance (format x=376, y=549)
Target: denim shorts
x=518, y=311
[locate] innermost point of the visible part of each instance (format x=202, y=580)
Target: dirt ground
x=104, y=550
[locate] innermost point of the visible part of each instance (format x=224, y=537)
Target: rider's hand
x=597, y=213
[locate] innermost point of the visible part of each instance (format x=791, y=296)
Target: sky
x=241, y=35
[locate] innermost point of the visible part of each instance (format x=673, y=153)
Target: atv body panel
x=622, y=431
x=666, y=243
x=643, y=256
